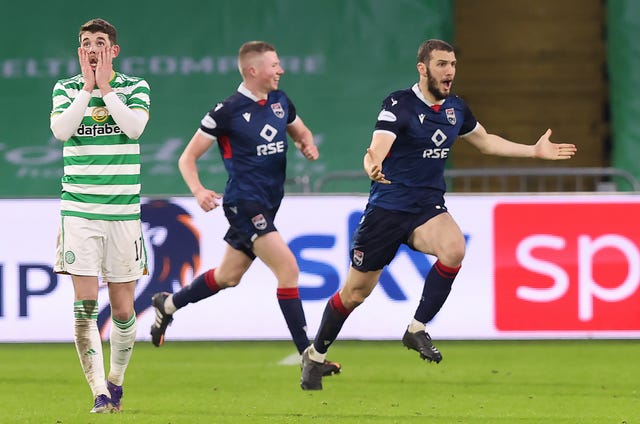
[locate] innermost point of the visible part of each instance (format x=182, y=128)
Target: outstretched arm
x=492, y=144
x=303, y=139
x=545, y=149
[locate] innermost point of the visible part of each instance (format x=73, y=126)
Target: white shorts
x=113, y=249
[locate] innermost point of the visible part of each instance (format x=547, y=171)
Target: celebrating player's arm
x=380, y=145
x=199, y=144
x=303, y=139
x=492, y=144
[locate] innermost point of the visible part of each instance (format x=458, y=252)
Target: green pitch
x=483, y=382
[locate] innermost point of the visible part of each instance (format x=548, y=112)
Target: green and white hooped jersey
x=101, y=177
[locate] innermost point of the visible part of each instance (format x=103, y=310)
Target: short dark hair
x=424, y=51
x=99, y=25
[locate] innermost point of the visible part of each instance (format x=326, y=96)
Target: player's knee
x=453, y=254
x=228, y=279
x=121, y=314
x=287, y=276
x=352, y=299
x=232, y=282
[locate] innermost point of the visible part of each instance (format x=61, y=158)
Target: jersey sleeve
x=140, y=96
x=292, y=111
x=212, y=123
x=469, y=121
x=389, y=118
x=60, y=99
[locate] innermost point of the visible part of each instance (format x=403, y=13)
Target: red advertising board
x=567, y=266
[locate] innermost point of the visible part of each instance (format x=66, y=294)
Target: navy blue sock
x=334, y=316
x=201, y=287
x=437, y=287
x=291, y=307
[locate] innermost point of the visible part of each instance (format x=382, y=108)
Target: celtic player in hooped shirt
x=99, y=115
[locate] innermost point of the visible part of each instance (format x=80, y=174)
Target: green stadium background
x=623, y=65
x=341, y=58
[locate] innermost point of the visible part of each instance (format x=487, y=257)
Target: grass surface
x=484, y=382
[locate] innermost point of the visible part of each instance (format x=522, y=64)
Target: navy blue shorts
x=248, y=220
x=381, y=232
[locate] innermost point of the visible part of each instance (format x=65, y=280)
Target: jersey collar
x=242, y=89
x=418, y=94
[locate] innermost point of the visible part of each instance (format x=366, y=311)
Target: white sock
x=416, y=326
x=122, y=339
x=169, y=307
x=89, y=345
x=316, y=356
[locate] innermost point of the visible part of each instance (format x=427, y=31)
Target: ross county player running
x=412, y=140
x=250, y=128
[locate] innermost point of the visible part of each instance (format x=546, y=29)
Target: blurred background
x=523, y=67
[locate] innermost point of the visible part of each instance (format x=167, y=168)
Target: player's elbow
x=135, y=131
x=59, y=134
x=185, y=161
x=134, y=134
x=485, y=150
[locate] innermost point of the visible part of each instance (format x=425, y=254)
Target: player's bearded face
x=433, y=85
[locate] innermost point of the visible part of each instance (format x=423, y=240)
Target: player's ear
x=115, y=51
x=422, y=69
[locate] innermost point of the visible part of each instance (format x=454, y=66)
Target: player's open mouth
x=447, y=84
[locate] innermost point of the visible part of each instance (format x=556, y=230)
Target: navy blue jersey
x=424, y=137
x=252, y=139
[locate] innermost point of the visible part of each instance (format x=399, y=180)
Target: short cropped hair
x=99, y=25
x=424, y=51
x=251, y=48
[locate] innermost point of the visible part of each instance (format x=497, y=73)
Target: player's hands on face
x=207, y=199
x=85, y=67
x=375, y=169
x=545, y=149
x=104, y=68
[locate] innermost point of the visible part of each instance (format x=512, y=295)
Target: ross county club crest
x=451, y=115
x=277, y=110
x=358, y=257
x=259, y=222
